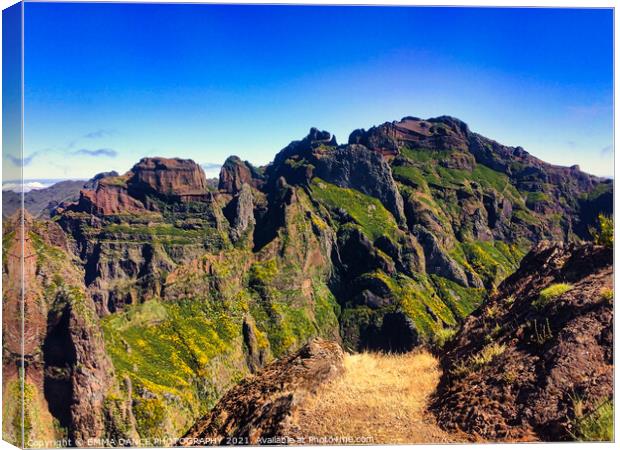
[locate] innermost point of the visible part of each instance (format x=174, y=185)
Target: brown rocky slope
x=538, y=356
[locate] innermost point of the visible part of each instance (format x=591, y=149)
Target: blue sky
x=106, y=84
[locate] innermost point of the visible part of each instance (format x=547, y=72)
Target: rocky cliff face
x=167, y=177
x=385, y=243
x=67, y=374
x=236, y=173
x=537, y=358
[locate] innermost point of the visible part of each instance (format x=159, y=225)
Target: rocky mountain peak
x=94, y=181
x=440, y=133
x=317, y=137
x=304, y=147
x=168, y=176
x=235, y=173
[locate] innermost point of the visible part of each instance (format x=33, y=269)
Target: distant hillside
x=40, y=202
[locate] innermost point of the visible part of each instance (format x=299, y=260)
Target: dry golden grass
x=380, y=396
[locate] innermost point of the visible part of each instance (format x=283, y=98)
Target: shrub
x=597, y=425
x=488, y=353
x=443, y=336
x=604, y=233
x=493, y=311
x=549, y=293
x=607, y=294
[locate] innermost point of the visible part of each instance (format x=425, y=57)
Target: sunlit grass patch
x=549, y=293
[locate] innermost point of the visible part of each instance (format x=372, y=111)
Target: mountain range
x=152, y=293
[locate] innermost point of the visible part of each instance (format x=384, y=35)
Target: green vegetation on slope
x=426, y=167
x=462, y=301
x=549, y=293
x=491, y=260
x=368, y=212
x=166, y=233
x=182, y=355
x=284, y=313
x=434, y=304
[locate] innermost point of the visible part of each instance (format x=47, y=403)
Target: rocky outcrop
x=131, y=230
x=261, y=408
x=75, y=343
x=235, y=173
x=350, y=166
x=94, y=181
x=538, y=356
x=356, y=167
x=241, y=213
x=168, y=177
x=68, y=373
x=109, y=197
x=110, y=194
x=441, y=133
x=438, y=261
x=315, y=139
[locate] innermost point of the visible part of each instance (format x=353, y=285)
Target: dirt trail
x=381, y=397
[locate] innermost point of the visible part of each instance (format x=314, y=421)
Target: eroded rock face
x=442, y=133
x=262, y=406
x=350, y=166
x=110, y=194
x=242, y=213
x=130, y=230
x=437, y=260
x=68, y=373
x=235, y=173
x=168, y=176
x=109, y=198
x=357, y=167
x=548, y=351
